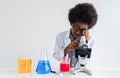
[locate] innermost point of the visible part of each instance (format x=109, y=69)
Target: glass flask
x=43, y=66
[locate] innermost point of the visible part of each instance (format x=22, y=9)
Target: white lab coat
x=63, y=40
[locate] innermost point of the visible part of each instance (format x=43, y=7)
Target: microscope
x=82, y=52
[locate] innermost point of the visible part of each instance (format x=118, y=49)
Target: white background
x=28, y=25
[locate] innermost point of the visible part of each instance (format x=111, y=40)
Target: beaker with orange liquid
x=24, y=64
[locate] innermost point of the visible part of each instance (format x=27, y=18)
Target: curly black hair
x=85, y=13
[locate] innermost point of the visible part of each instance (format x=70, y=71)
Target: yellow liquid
x=24, y=66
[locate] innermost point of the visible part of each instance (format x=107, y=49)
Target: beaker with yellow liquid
x=24, y=64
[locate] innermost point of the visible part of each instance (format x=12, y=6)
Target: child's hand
x=74, y=44
x=87, y=36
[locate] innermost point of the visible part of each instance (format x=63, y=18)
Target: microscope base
x=81, y=69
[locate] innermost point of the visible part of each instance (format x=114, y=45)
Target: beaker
x=43, y=66
x=24, y=63
x=65, y=65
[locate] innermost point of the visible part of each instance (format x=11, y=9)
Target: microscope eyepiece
x=83, y=49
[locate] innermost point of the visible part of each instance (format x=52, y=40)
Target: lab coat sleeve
x=59, y=47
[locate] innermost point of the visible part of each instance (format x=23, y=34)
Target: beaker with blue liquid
x=43, y=66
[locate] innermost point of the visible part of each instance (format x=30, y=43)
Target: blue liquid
x=43, y=67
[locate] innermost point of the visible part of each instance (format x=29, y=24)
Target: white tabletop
x=97, y=73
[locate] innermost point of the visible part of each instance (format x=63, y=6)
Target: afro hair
x=83, y=12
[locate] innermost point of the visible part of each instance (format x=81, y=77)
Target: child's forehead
x=80, y=25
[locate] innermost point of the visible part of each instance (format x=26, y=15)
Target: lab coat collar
x=67, y=34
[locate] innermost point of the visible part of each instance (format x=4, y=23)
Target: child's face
x=79, y=28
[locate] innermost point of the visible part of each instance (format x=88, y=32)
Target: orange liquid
x=24, y=66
